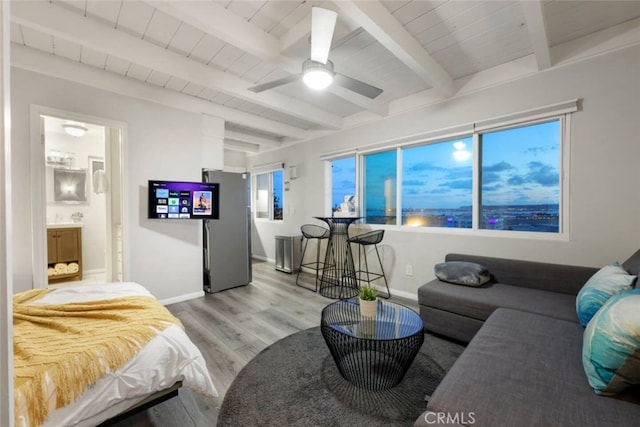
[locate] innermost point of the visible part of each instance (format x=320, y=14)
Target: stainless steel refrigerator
x=227, y=241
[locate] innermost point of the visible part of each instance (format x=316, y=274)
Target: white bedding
x=166, y=359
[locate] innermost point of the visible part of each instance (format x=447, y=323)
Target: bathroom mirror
x=70, y=185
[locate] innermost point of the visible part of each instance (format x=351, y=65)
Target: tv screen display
x=184, y=200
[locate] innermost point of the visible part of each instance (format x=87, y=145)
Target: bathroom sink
x=64, y=225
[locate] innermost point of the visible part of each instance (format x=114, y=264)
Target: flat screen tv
x=184, y=200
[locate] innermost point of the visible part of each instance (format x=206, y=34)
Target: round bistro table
x=372, y=353
x=338, y=279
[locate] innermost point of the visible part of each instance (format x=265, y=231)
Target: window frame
x=518, y=120
x=477, y=206
x=270, y=195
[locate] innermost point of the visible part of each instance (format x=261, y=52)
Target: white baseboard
x=404, y=294
x=94, y=272
x=181, y=298
x=263, y=258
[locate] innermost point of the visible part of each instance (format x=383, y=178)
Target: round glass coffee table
x=373, y=353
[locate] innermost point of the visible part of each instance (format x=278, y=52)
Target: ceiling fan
x=317, y=72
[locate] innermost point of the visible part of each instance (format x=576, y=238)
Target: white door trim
x=6, y=267
x=38, y=199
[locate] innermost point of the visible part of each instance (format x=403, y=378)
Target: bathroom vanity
x=64, y=251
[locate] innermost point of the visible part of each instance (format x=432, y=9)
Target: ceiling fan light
x=317, y=79
x=317, y=75
x=74, y=130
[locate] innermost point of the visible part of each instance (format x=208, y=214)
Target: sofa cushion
x=462, y=273
x=608, y=281
x=479, y=303
x=525, y=369
x=611, y=348
x=448, y=324
x=562, y=278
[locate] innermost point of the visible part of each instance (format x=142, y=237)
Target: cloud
x=458, y=173
x=517, y=180
x=540, y=149
x=413, y=182
x=411, y=192
x=459, y=184
x=490, y=178
x=543, y=174
x=494, y=187
x=537, y=173
x=497, y=167
x=440, y=191
x=425, y=166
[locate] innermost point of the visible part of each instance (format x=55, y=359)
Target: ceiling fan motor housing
x=309, y=65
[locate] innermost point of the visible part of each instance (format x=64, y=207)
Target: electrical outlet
x=408, y=270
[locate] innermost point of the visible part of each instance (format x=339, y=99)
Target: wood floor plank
x=230, y=328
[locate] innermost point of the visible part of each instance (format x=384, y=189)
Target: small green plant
x=368, y=293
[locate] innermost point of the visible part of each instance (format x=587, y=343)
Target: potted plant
x=368, y=301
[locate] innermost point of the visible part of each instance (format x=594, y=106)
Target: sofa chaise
x=523, y=364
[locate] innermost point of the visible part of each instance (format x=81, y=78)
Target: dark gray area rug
x=295, y=382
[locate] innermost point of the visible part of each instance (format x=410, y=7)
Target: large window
x=268, y=195
x=437, y=184
x=502, y=177
x=521, y=178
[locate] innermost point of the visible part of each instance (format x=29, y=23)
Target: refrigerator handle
x=205, y=246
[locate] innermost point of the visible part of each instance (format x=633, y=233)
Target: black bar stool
x=312, y=231
x=363, y=240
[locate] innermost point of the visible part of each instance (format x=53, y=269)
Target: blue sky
x=277, y=186
x=520, y=166
x=343, y=181
x=433, y=178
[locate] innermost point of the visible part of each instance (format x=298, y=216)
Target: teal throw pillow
x=606, y=282
x=611, y=346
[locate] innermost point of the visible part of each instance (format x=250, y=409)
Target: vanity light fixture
x=75, y=130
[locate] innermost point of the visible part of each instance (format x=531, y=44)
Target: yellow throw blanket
x=73, y=345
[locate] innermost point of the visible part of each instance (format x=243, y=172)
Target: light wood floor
x=230, y=328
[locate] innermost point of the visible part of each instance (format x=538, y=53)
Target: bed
x=158, y=366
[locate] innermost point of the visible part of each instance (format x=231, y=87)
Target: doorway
x=77, y=182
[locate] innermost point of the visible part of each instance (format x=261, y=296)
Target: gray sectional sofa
x=523, y=363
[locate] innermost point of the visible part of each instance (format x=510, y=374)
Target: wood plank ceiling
x=204, y=55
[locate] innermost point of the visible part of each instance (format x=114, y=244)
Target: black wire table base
x=335, y=285
x=372, y=353
x=338, y=279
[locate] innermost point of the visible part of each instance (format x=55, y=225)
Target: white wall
x=235, y=161
x=161, y=143
x=605, y=147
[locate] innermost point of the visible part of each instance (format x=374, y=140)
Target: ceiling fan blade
x=323, y=22
x=275, y=83
x=357, y=86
